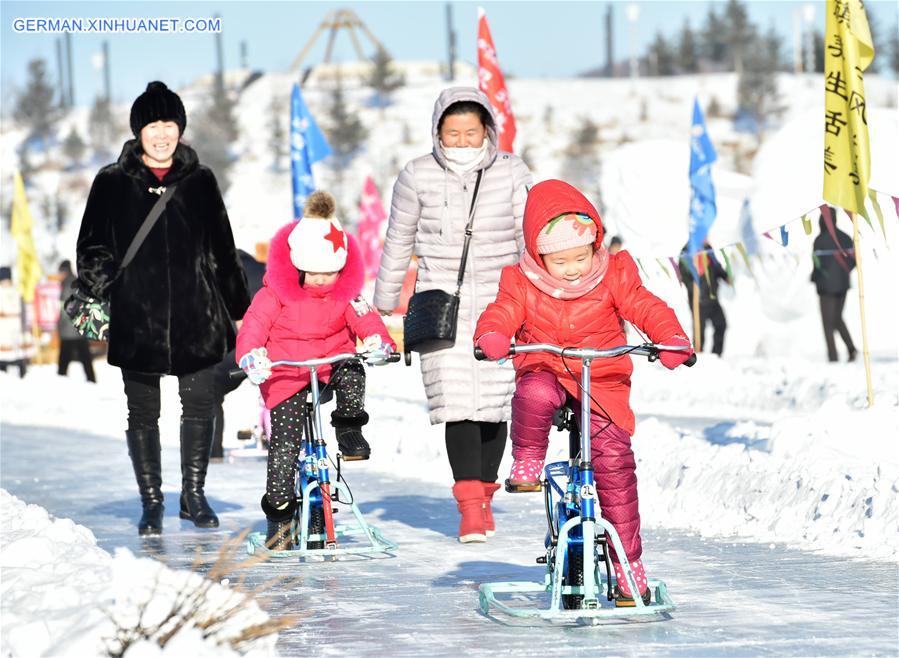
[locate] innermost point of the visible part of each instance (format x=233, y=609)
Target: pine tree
x=35, y=107
x=740, y=33
x=384, y=78
x=687, y=49
x=346, y=132
x=819, y=51
x=213, y=134
x=277, y=136
x=74, y=146
x=757, y=91
x=874, y=67
x=221, y=112
x=101, y=129
x=894, y=52
x=713, y=39
x=581, y=166
x=661, y=57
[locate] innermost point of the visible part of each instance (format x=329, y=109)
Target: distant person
x=709, y=307
x=831, y=279
x=614, y=245
x=224, y=383
x=72, y=345
x=173, y=306
x=12, y=330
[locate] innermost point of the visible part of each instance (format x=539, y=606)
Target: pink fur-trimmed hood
x=284, y=280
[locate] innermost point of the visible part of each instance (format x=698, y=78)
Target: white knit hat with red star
x=318, y=242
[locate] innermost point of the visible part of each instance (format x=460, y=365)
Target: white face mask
x=466, y=158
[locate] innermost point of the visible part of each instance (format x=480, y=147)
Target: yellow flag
x=28, y=269
x=847, y=53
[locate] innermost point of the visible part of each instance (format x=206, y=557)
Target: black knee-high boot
x=196, y=442
x=145, y=453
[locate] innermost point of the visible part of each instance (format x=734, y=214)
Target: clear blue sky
x=533, y=39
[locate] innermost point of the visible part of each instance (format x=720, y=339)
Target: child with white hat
x=309, y=307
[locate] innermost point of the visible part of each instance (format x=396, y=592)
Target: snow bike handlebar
x=393, y=357
x=649, y=350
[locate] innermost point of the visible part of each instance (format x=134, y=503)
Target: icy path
x=735, y=599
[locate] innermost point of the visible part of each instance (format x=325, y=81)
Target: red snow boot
x=469, y=495
x=490, y=488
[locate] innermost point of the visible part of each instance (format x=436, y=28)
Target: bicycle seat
x=563, y=418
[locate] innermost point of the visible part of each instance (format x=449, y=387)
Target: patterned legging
x=288, y=420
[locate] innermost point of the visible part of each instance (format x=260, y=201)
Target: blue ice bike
x=577, y=538
x=313, y=531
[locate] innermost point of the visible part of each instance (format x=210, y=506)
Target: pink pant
x=537, y=396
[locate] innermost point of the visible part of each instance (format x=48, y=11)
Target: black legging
x=142, y=390
x=79, y=350
x=475, y=449
x=832, y=319
x=712, y=312
x=288, y=420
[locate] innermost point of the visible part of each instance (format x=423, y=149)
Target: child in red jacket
x=568, y=290
x=309, y=307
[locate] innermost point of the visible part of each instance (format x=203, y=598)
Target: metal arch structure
x=334, y=22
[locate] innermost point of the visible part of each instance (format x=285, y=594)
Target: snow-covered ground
x=774, y=452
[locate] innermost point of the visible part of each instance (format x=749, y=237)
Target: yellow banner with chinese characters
x=28, y=269
x=848, y=52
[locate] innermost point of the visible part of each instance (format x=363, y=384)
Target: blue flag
x=702, y=203
x=307, y=145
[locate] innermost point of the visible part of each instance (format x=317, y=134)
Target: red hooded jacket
x=532, y=316
x=297, y=323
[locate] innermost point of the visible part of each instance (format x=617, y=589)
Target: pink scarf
x=560, y=288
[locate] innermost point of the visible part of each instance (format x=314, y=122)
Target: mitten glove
x=672, y=359
x=256, y=364
x=375, y=350
x=494, y=345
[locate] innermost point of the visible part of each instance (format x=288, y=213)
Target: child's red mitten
x=494, y=345
x=672, y=359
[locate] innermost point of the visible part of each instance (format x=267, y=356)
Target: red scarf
x=560, y=288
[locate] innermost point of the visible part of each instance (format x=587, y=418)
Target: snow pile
x=825, y=481
x=62, y=595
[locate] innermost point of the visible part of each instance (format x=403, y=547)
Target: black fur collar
x=184, y=161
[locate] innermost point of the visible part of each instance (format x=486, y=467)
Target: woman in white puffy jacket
x=428, y=214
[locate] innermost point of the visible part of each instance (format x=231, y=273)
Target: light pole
x=633, y=15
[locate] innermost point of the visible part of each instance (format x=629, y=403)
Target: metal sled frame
x=581, y=499
x=591, y=590
x=376, y=542
x=313, y=472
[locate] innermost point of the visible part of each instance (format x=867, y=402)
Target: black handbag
x=90, y=315
x=431, y=317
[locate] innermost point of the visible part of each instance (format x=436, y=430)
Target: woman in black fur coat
x=172, y=307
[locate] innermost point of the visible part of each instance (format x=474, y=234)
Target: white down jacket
x=427, y=217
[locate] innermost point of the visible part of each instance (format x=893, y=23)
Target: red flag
x=368, y=230
x=492, y=83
